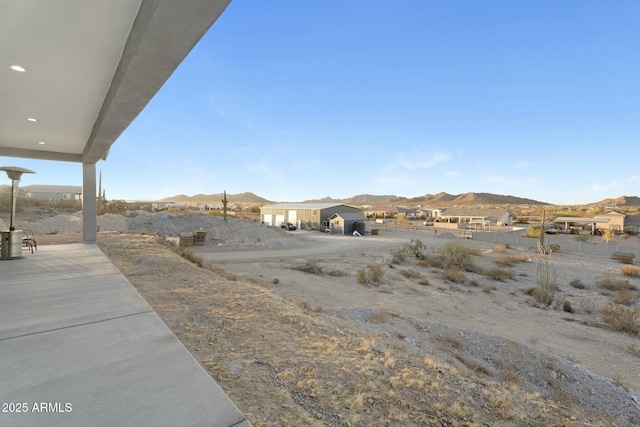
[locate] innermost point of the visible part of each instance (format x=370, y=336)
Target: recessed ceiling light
x=41, y=142
x=18, y=68
x=31, y=119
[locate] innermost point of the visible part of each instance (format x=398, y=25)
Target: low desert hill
x=246, y=197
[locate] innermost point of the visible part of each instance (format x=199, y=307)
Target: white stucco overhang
x=90, y=67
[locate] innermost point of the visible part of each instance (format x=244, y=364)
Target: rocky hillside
x=620, y=201
x=440, y=200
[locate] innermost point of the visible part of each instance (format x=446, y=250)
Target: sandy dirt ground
x=505, y=311
x=295, y=339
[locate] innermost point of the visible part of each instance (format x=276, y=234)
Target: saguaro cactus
x=224, y=206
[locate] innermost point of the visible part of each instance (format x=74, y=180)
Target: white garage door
x=279, y=220
x=292, y=217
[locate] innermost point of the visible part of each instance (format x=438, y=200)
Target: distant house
x=494, y=216
x=611, y=220
x=431, y=213
x=391, y=211
x=304, y=215
x=409, y=213
x=53, y=193
x=346, y=223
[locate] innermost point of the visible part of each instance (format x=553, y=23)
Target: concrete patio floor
x=79, y=346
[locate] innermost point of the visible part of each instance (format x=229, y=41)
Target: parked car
x=551, y=230
x=287, y=226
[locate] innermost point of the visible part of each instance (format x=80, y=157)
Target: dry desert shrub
x=454, y=274
x=566, y=306
x=415, y=248
x=621, y=318
x=588, y=305
x=499, y=249
x=623, y=257
x=398, y=256
x=309, y=267
x=545, y=292
x=371, y=275
x=577, y=283
x=457, y=254
x=533, y=231
x=630, y=271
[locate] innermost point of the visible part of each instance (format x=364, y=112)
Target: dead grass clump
x=398, y=256
x=431, y=261
x=454, y=275
x=634, y=350
x=623, y=257
x=371, y=275
x=488, y=288
x=411, y=274
x=508, y=260
x=630, y=271
x=624, y=297
x=621, y=318
x=614, y=285
x=424, y=282
x=499, y=274
x=189, y=256
x=335, y=273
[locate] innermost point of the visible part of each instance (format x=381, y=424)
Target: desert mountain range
x=441, y=200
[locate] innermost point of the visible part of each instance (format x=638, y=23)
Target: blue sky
x=295, y=100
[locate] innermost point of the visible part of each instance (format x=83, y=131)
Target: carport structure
x=570, y=220
x=78, y=345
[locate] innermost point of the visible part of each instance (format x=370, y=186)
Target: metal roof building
x=304, y=215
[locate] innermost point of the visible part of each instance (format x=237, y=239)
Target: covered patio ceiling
x=75, y=73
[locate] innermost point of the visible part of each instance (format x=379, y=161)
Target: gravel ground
x=543, y=372
x=539, y=371
x=234, y=232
